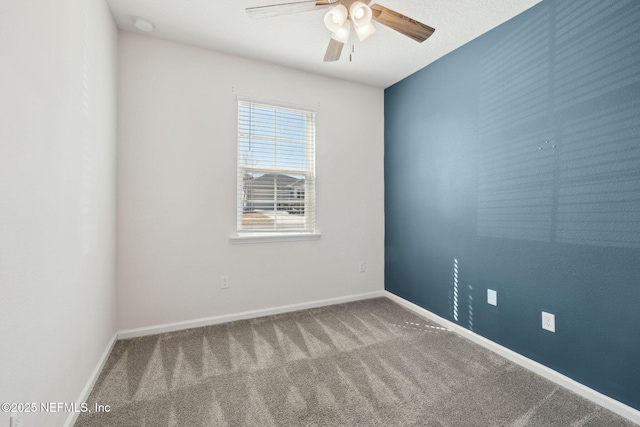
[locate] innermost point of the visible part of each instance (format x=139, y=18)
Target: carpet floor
x=365, y=363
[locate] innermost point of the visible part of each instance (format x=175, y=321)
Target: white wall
x=57, y=198
x=177, y=182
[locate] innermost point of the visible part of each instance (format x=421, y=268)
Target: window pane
x=274, y=201
x=276, y=168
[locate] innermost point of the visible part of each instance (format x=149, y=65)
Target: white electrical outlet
x=224, y=282
x=548, y=321
x=492, y=297
x=363, y=267
x=16, y=420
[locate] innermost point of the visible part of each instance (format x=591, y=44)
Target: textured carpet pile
x=366, y=363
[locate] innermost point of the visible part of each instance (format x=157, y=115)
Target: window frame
x=258, y=235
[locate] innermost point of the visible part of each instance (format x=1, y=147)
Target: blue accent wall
x=513, y=164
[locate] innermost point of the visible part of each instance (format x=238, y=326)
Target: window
x=276, y=170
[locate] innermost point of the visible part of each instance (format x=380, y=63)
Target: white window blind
x=276, y=169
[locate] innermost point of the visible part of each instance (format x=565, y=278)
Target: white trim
x=196, y=323
x=273, y=237
x=247, y=166
x=84, y=395
x=613, y=405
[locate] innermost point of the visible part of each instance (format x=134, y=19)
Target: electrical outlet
x=224, y=282
x=16, y=420
x=363, y=267
x=548, y=321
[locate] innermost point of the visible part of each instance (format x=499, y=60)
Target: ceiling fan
x=342, y=15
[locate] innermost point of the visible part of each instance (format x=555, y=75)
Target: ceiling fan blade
x=334, y=50
x=402, y=24
x=286, y=8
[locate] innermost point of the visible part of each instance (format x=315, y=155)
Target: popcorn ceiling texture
x=300, y=40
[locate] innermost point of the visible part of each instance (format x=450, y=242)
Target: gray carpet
x=366, y=363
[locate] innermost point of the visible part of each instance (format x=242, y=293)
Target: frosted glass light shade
x=365, y=31
x=335, y=18
x=360, y=14
x=342, y=33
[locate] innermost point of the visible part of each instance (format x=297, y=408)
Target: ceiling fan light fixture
x=360, y=14
x=365, y=31
x=335, y=18
x=342, y=33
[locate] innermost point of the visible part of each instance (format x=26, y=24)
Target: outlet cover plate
x=492, y=297
x=548, y=321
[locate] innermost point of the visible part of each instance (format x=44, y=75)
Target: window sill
x=272, y=237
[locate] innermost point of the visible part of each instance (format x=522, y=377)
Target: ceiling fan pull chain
x=353, y=48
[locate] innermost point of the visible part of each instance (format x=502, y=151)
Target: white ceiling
x=299, y=41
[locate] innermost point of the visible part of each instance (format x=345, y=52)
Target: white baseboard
x=84, y=395
x=613, y=405
x=196, y=323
